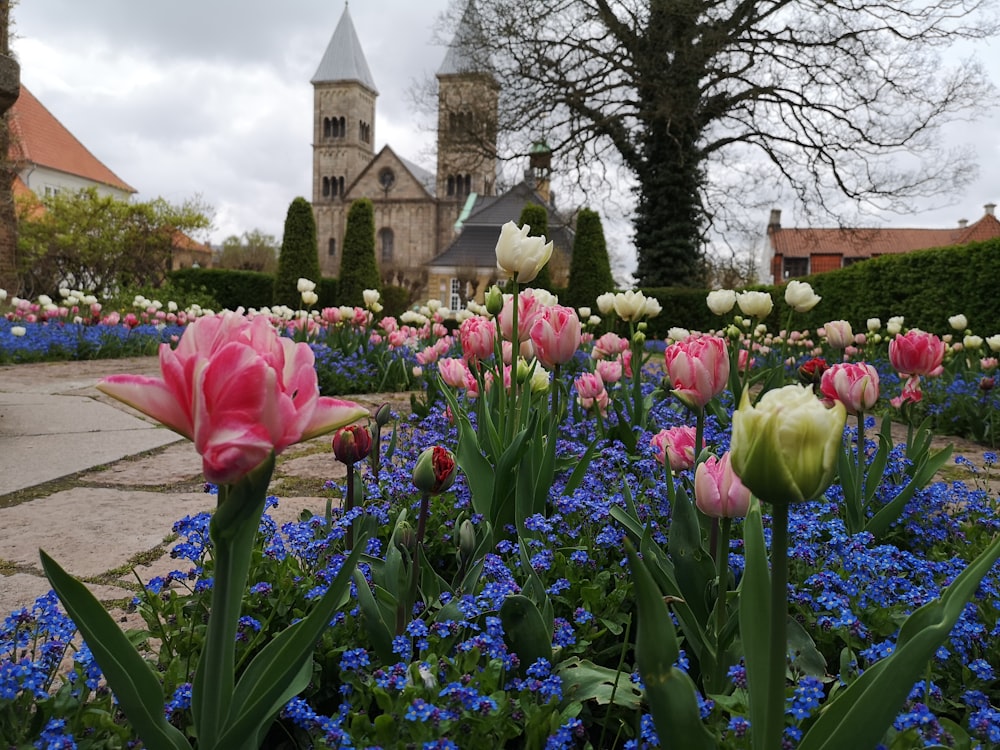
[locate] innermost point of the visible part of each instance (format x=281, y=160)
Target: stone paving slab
x=22, y=589
x=91, y=530
x=177, y=463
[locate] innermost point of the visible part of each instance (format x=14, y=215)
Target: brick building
x=796, y=251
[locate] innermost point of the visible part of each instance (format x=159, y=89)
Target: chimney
x=963, y=223
x=990, y=208
x=775, y=221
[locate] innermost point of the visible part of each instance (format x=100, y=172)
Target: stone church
x=435, y=231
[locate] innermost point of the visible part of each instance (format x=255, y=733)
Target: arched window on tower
x=331, y=248
x=451, y=184
x=340, y=186
x=385, y=242
x=326, y=187
x=327, y=127
x=343, y=127
x=468, y=185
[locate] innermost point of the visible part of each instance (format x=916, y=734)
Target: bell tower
x=467, y=117
x=344, y=96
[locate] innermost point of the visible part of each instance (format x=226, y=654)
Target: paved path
x=98, y=485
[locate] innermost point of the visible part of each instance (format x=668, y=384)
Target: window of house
x=331, y=247
x=51, y=191
x=795, y=267
x=455, y=298
x=385, y=242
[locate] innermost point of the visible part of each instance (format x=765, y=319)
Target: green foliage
x=230, y=289
x=395, y=301
x=251, y=251
x=358, y=270
x=299, y=255
x=537, y=217
x=925, y=287
x=328, y=290
x=88, y=241
x=589, y=268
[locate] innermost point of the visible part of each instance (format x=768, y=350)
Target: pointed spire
x=460, y=59
x=344, y=59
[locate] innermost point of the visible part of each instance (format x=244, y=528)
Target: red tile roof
x=37, y=137
x=865, y=243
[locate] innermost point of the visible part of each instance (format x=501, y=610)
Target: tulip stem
x=721, y=608
x=349, y=506
x=425, y=504
x=778, y=647
x=862, y=515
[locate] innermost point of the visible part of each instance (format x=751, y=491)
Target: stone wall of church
x=467, y=123
x=343, y=137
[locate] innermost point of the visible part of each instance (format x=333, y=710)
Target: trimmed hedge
x=926, y=287
x=230, y=288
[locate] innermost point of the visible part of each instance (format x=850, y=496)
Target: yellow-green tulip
x=785, y=448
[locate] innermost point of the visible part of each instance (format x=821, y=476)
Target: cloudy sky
x=213, y=98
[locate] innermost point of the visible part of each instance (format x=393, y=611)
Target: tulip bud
x=351, y=444
x=405, y=538
x=986, y=384
x=494, y=300
x=785, y=448
x=466, y=542
x=811, y=372
x=382, y=415
x=639, y=339
x=435, y=470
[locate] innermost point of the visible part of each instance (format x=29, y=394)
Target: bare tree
x=711, y=104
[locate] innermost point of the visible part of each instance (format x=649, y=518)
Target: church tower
x=467, y=120
x=343, y=133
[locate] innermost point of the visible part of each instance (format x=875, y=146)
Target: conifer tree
x=299, y=257
x=589, y=268
x=358, y=269
x=537, y=217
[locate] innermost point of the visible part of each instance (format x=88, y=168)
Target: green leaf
x=865, y=710
x=669, y=691
x=524, y=631
x=876, y=470
x=693, y=565
x=580, y=470
x=132, y=680
x=282, y=669
x=846, y=471
x=805, y=656
x=755, y=618
x=585, y=681
x=922, y=474
x=373, y=618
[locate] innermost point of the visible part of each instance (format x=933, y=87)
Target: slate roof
x=476, y=244
x=792, y=242
x=458, y=59
x=344, y=60
x=37, y=137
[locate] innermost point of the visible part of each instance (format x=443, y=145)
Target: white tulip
x=371, y=297
x=309, y=298
x=958, y=322
x=721, y=301
x=606, y=303
x=755, y=304
x=305, y=285
x=520, y=255
x=18, y=330
x=799, y=296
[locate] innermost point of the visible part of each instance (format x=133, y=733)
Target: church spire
x=344, y=59
x=460, y=59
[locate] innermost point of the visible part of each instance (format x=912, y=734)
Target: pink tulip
x=556, y=335
x=238, y=390
x=609, y=345
x=453, y=372
x=675, y=447
x=528, y=310
x=911, y=393
x=588, y=385
x=477, y=336
x=698, y=368
x=610, y=370
x=916, y=353
x=855, y=385
x=718, y=492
